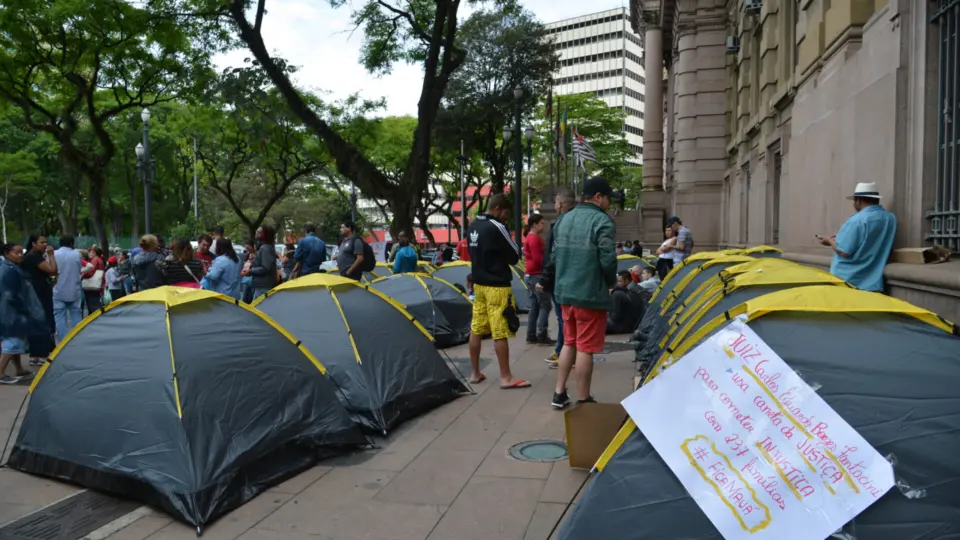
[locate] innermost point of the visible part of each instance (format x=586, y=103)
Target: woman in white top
x=666, y=254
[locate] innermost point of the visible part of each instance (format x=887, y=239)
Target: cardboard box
x=590, y=428
x=925, y=255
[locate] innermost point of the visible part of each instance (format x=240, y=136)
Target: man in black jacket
x=564, y=202
x=627, y=307
x=492, y=252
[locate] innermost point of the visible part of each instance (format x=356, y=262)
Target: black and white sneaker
x=560, y=400
x=588, y=399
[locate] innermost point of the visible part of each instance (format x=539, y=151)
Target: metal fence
x=945, y=216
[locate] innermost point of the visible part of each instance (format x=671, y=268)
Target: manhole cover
x=539, y=451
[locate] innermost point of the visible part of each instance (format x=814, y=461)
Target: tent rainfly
x=383, y=361
x=888, y=368
x=177, y=418
x=457, y=272
x=437, y=304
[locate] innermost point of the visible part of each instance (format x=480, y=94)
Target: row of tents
x=195, y=403
x=889, y=368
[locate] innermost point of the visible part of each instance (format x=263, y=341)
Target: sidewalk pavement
x=443, y=476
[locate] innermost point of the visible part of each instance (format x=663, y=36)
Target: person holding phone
x=862, y=246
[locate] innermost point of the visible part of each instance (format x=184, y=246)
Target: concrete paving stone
x=229, y=526
x=538, y=416
x=263, y=534
x=563, y=483
x=401, y=449
x=436, y=477
x=22, y=494
x=470, y=433
x=300, y=482
x=490, y=507
x=498, y=463
x=441, y=417
x=545, y=517
x=354, y=520
x=143, y=527
x=345, y=484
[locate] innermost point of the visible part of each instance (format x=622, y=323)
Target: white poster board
x=758, y=450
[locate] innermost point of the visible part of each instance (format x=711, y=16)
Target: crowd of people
x=45, y=292
x=573, y=273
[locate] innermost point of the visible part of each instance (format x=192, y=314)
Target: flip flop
x=519, y=383
x=480, y=380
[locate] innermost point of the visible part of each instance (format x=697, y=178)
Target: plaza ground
x=443, y=476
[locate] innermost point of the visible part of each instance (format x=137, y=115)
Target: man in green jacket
x=585, y=256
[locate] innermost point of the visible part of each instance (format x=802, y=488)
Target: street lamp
x=518, y=166
x=144, y=166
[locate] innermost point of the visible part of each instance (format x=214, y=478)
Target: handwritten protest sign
x=758, y=450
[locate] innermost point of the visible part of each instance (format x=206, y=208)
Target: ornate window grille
x=945, y=216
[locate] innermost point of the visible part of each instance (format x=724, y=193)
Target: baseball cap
x=673, y=220
x=112, y=260
x=595, y=185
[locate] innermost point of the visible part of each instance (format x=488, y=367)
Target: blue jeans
x=557, y=309
x=61, y=311
x=539, y=315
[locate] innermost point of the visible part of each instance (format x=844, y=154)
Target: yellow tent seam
x=345, y=324
x=628, y=427
x=173, y=366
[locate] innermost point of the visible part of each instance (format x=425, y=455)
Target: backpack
x=369, y=259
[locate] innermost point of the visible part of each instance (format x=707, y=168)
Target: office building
x=601, y=54
x=775, y=110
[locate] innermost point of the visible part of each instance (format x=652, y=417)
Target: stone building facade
x=773, y=110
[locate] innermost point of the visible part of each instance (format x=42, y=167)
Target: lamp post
x=146, y=170
x=463, y=194
x=528, y=135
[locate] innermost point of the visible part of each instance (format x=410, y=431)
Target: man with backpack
x=355, y=256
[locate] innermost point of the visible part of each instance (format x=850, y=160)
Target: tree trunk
x=95, y=192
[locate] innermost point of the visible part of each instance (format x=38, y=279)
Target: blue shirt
x=867, y=237
x=224, y=277
x=311, y=253
x=67, y=288
x=406, y=260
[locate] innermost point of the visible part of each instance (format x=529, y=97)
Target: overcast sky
x=319, y=39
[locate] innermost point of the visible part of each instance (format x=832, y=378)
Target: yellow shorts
x=488, y=306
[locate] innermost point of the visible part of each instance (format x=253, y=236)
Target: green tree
x=505, y=50
x=71, y=67
x=17, y=170
x=258, y=150
x=423, y=32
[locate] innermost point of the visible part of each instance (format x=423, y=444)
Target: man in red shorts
x=585, y=257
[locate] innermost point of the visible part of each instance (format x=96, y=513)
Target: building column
x=653, y=110
x=700, y=145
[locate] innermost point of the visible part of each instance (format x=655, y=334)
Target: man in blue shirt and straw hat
x=862, y=247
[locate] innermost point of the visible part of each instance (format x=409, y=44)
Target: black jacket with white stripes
x=492, y=252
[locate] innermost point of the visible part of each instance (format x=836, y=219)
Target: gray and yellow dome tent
x=202, y=404
x=736, y=285
x=437, y=304
x=888, y=368
x=457, y=272
x=679, y=292
x=383, y=361
x=626, y=261
x=382, y=270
